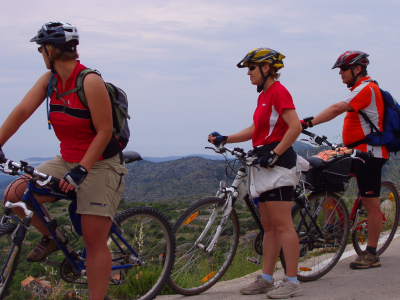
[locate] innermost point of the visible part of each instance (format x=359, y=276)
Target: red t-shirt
x=269, y=125
x=71, y=120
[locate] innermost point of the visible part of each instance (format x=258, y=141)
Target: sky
x=176, y=60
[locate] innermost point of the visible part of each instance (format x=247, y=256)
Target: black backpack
x=119, y=104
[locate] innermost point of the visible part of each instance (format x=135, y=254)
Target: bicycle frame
x=230, y=194
x=77, y=261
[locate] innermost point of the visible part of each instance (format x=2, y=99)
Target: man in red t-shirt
x=365, y=95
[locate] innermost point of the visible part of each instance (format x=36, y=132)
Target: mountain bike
x=141, y=242
x=325, y=185
x=207, y=233
x=389, y=198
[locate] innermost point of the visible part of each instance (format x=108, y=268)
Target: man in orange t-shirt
x=365, y=95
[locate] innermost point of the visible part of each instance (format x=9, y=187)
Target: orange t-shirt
x=365, y=96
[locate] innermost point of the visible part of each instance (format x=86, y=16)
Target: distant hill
x=191, y=177
x=296, y=146
x=196, y=177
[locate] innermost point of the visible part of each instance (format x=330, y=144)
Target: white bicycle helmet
x=56, y=33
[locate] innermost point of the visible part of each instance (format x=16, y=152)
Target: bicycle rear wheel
x=148, y=232
x=389, y=198
x=196, y=270
x=9, y=257
x=323, y=241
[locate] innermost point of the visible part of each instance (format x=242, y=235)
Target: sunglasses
x=252, y=68
x=40, y=49
x=345, y=68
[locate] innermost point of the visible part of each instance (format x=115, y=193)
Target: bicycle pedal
x=253, y=260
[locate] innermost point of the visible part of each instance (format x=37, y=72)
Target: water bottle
x=255, y=201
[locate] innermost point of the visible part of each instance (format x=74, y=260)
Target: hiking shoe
x=366, y=260
x=285, y=289
x=42, y=250
x=259, y=286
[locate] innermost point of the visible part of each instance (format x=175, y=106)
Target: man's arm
x=331, y=112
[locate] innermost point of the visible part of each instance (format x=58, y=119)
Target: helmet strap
x=350, y=85
x=260, y=87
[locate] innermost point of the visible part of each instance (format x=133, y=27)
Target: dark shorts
x=283, y=193
x=368, y=176
x=287, y=159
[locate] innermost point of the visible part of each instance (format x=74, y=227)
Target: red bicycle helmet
x=352, y=57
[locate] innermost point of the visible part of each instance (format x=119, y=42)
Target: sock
x=292, y=279
x=371, y=250
x=267, y=277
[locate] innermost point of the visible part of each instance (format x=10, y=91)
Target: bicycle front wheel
x=195, y=269
x=389, y=198
x=9, y=257
x=323, y=229
x=150, y=249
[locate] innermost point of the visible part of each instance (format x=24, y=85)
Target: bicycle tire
x=390, y=208
x=319, y=255
x=149, y=233
x=9, y=249
x=196, y=270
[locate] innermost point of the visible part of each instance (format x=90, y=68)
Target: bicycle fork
x=228, y=208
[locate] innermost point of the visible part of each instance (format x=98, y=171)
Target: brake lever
x=9, y=168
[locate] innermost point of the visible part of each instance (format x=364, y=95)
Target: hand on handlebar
x=269, y=160
x=307, y=122
x=217, y=139
x=73, y=179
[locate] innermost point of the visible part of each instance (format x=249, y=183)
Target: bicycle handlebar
x=13, y=168
x=321, y=141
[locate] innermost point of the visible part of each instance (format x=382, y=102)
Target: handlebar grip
x=306, y=132
x=55, y=180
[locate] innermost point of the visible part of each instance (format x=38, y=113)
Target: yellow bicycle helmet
x=263, y=55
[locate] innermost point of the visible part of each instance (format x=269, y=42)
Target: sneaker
x=366, y=260
x=285, y=290
x=260, y=286
x=42, y=250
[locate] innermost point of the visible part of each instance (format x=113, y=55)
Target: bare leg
x=14, y=193
x=271, y=244
x=374, y=213
x=279, y=226
x=95, y=231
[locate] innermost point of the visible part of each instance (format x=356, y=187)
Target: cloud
x=177, y=60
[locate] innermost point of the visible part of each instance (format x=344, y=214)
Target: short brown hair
x=58, y=54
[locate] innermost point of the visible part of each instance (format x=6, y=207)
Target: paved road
x=340, y=283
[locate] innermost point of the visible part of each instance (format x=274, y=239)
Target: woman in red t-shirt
x=275, y=128
x=81, y=165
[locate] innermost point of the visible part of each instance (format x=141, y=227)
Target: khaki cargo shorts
x=100, y=193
